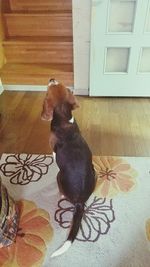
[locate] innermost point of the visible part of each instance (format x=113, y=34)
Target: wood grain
x=32, y=24
x=36, y=74
x=34, y=50
x=111, y=126
x=24, y=5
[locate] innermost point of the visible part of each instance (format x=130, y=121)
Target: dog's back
x=74, y=160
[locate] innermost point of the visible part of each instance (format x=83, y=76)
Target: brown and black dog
x=76, y=178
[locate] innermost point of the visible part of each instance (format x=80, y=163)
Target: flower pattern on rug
x=114, y=175
x=97, y=218
x=22, y=169
x=31, y=242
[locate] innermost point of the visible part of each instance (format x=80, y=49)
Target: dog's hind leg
x=59, y=185
x=54, y=156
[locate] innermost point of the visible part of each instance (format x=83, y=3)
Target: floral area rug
x=115, y=229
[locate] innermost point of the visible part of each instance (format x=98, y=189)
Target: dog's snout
x=53, y=82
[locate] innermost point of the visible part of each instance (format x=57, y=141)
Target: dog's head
x=57, y=98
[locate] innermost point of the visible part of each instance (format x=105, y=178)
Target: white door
x=120, y=48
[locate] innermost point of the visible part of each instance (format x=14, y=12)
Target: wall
x=81, y=40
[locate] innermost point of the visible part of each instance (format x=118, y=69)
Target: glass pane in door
x=117, y=59
x=121, y=16
x=145, y=60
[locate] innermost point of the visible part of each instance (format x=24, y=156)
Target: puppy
x=76, y=178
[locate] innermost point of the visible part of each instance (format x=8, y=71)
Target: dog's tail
x=77, y=217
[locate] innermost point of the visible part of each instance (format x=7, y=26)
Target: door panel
x=120, y=48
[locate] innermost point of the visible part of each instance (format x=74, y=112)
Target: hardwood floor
x=111, y=126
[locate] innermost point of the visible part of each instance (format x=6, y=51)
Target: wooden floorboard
x=111, y=126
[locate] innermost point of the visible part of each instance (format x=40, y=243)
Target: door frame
x=81, y=13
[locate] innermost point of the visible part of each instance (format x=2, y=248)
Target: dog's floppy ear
x=47, y=112
x=73, y=100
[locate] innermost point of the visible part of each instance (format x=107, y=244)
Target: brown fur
x=56, y=96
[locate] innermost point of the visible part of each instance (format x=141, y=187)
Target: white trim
x=40, y=88
x=81, y=92
x=1, y=87
x=81, y=44
x=22, y=87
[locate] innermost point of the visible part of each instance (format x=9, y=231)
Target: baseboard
x=38, y=88
x=81, y=92
x=25, y=87
x=1, y=87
